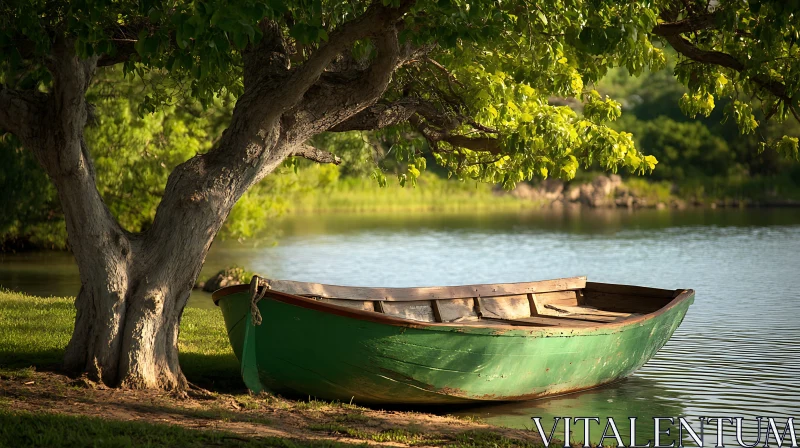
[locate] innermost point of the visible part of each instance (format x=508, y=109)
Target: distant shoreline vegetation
x=319, y=190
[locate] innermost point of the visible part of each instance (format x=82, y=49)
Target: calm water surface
x=736, y=354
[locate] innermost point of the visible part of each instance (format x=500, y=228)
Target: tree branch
x=375, y=21
x=123, y=50
x=379, y=116
x=317, y=155
x=478, y=144
x=433, y=125
x=671, y=32
x=337, y=96
x=686, y=48
x=284, y=113
x=434, y=136
x=687, y=25
x=18, y=110
x=267, y=59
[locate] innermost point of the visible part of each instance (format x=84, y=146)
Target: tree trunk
x=127, y=324
x=135, y=286
x=129, y=339
x=132, y=296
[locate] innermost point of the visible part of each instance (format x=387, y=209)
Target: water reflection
x=635, y=397
x=573, y=221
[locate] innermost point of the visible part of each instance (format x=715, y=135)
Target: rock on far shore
x=602, y=192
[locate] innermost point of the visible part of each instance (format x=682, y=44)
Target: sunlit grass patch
x=413, y=436
x=34, y=331
x=653, y=191
x=487, y=438
x=11, y=373
x=48, y=430
x=396, y=435
x=433, y=193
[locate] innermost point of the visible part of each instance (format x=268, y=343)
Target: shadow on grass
x=45, y=360
x=18, y=428
x=219, y=373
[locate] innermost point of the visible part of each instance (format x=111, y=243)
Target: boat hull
x=305, y=349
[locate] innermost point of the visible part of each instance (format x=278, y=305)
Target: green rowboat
x=453, y=344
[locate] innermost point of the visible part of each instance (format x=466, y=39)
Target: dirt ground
x=245, y=415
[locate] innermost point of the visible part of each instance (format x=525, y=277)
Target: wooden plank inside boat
x=365, y=305
x=540, y=321
x=558, y=308
x=508, y=307
x=425, y=293
x=452, y=310
x=420, y=310
x=557, y=298
x=586, y=310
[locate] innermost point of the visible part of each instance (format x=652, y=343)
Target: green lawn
x=56, y=430
x=35, y=330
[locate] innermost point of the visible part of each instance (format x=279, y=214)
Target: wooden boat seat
x=587, y=313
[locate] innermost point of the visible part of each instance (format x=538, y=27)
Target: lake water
x=736, y=354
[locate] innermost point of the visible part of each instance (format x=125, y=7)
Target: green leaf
x=542, y=17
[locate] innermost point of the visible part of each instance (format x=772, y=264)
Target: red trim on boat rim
x=305, y=302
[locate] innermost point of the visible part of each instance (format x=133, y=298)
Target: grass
x=431, y=194
x=652, y=191
x=437, y=194
x=412, y=437
x=35, y=330
x=19, y=428
x=396, y=435
x=16, y=373
x=480, y=438
x=758, y=189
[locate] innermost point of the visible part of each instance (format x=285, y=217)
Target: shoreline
x=55, y=406
x=547, y=206
x=612, y=192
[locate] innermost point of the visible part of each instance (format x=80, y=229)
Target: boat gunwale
x=421, y=293
x=679, y=296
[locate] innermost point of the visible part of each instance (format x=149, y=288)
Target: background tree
x=470, y=83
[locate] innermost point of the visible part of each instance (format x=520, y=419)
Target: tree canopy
x=476, y=83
